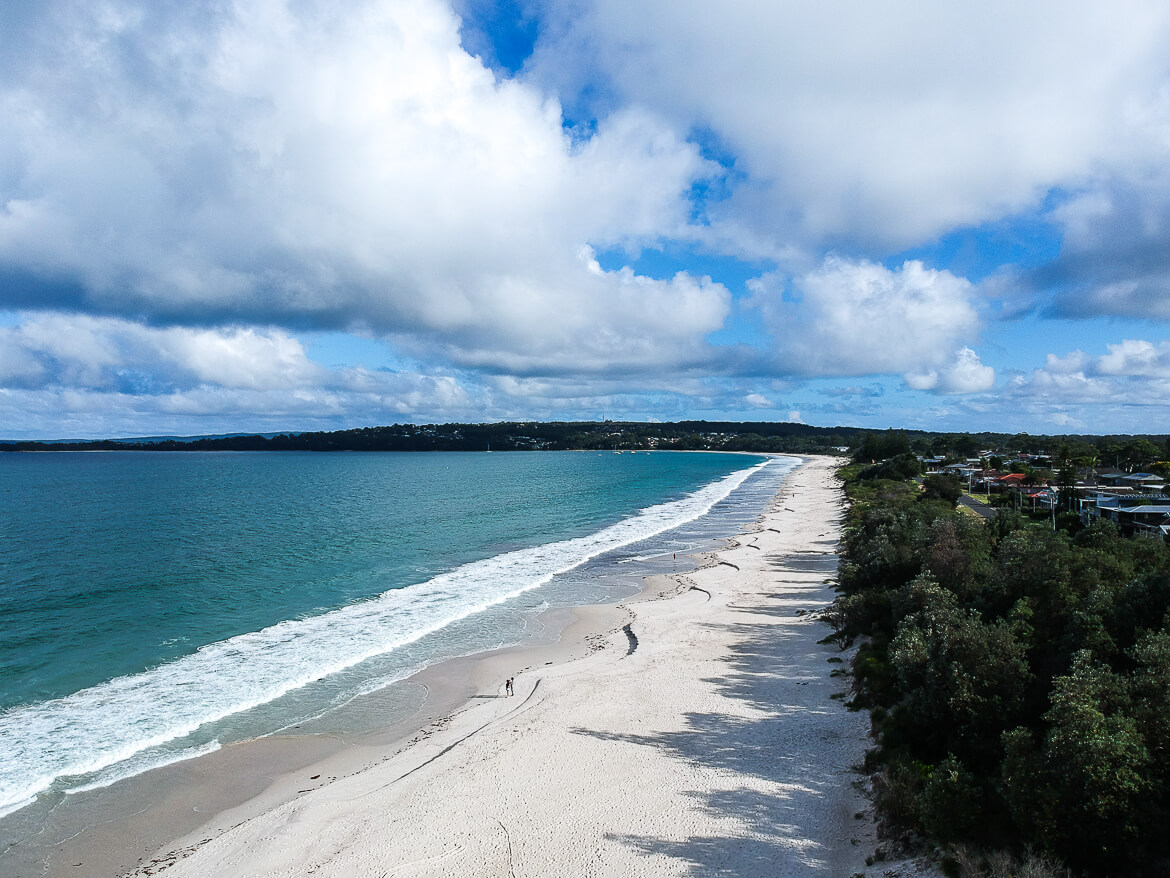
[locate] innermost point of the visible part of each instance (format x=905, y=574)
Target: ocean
x=157, y=606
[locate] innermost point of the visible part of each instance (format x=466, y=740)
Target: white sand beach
x=714, y=748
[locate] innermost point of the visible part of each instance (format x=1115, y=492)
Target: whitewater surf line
x=102, y=726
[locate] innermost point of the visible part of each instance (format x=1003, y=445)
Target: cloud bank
x=190, y=190
x=285, y=164
x=880, y=123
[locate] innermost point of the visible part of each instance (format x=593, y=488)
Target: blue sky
x=226, y=216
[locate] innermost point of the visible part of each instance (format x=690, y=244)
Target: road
x=977, y=506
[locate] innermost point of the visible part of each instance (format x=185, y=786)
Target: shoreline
x=214, y=791
x=458, y=700
x=714, y=747
x=115, y=829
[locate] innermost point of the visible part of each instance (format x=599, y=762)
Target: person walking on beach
x=508, y=687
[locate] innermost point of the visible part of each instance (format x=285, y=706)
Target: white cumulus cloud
x=758, y=400
x=966, y=374
x=1130, y=381
x=103, y=353
x=294, y=164
x=855, y=317
x=881, y=122
x=1136, y=357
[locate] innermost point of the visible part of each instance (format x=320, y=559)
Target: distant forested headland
x=504, y=436
x=757, y=436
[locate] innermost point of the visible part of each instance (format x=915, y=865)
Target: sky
x=273, y=215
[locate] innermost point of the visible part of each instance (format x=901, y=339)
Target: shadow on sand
x=789, y=746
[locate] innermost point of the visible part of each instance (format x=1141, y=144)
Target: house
x=1143, y=481
x=986, y=480
x=1152, y=521
x=1010, y=482
x=1040, y=498
x=964, y=471
x=1095, y=503
x=1109, y=476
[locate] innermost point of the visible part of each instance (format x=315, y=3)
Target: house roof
x=1013, y=477
x=1104, y=473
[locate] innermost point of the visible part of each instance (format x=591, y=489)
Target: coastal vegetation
x=504, y=436
x=1017, y=675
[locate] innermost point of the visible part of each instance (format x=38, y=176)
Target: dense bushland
x=1018, y=678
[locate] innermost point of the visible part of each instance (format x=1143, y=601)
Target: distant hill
x=765, y=436
x=506, y=436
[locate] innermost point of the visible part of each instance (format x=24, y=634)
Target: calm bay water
x=154, y=606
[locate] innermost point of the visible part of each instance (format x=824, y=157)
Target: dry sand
x=714, y=748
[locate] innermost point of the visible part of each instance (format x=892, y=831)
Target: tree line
x=757, y=436
x=1017, y=677
x=505, y=436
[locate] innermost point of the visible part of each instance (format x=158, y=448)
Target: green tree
x=877, y=447
x=958, y=554
x=1138, y=452
x=963, y=682
x=1150, y=695
x=942, y=486
x=1092, y=771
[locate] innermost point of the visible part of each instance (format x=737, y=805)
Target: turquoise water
x=153, y=606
